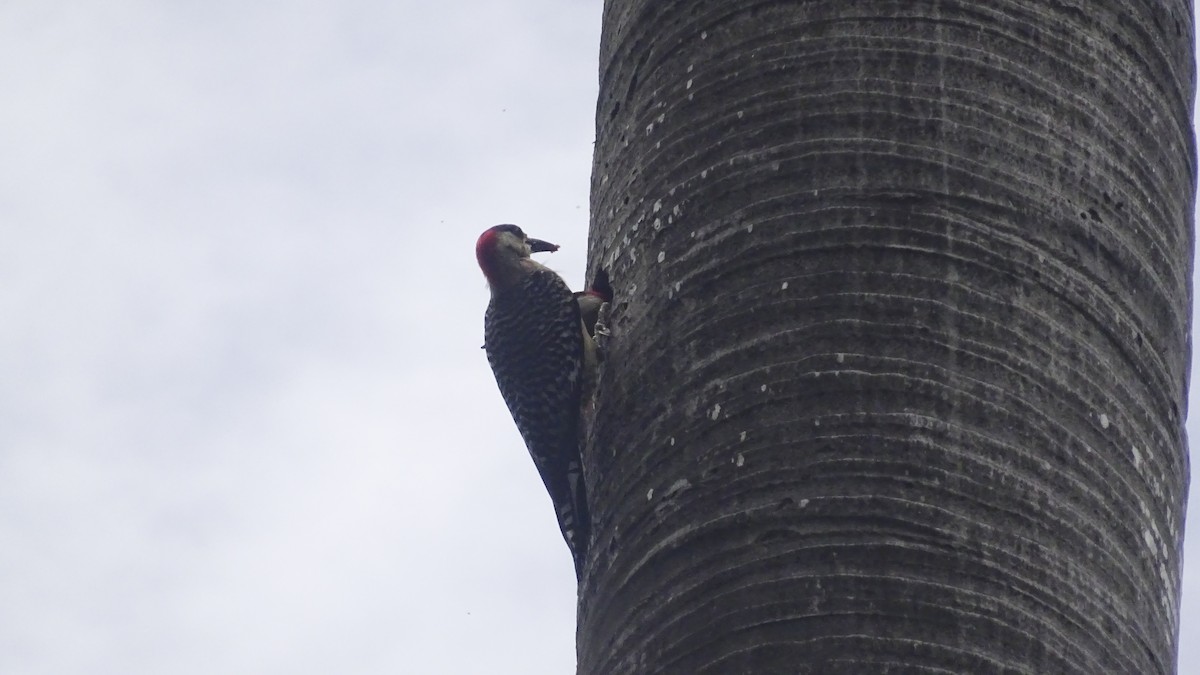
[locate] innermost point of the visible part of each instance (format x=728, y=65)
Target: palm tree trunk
x=900, y=348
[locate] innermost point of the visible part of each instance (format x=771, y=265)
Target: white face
x=509, y=244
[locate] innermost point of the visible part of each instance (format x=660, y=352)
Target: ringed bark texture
x=900, y=346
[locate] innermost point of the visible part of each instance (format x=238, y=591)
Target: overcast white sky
x=245, y=423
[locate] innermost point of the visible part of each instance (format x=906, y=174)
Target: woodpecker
x=543, y=358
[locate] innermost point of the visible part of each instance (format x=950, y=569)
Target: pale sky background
x=245, y=423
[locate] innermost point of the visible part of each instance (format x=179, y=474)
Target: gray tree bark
x=900, y=350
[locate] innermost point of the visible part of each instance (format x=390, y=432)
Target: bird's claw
x=602, y=332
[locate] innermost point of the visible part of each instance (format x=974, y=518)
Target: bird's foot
x=602, y=332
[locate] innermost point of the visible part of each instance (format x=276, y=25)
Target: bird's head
x=503, y=253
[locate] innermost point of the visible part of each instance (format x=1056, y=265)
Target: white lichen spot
x=784, y=286
x=750, y=228
x=1103, y=421
x=677, y=285
x=763, y=388
x=704, y=173
x=691, y=96
x=803, y=503
x=671, y=441
x=649, y=494
x=716, y=411
x=662, y=255
x=662, y=117
x=657, y=224
x=676, y=210
x=604, y=179
x=741, y=114
x=816, y=423
x=1149, y=538
x=703, y=35
x=649, y=128
x=691, y=66
x=689, y=84
x=742, y=437
x=741, y=459
x=678, y=486
x=841, y=358
x=657, y=206
x=1137, y=457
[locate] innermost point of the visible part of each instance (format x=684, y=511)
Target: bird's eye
x=511, y=229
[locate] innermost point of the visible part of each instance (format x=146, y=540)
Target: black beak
x=538, y=246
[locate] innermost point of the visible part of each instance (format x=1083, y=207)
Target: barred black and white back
x=535, y=345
